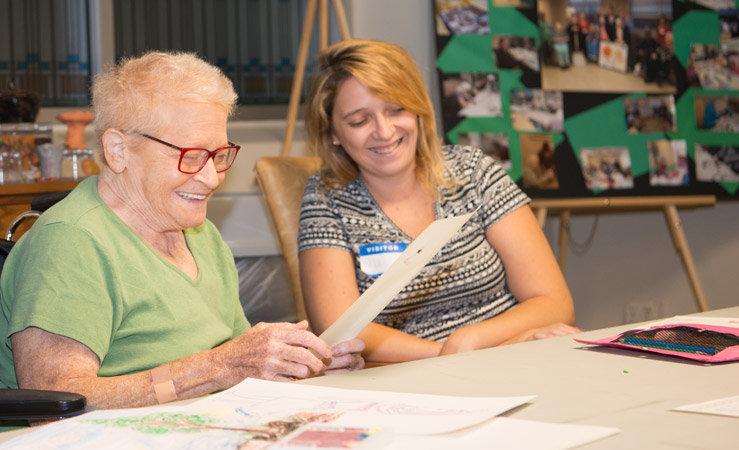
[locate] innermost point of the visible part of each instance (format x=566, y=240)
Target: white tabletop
x=581, y=384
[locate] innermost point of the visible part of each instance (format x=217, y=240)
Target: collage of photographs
x=611, y=48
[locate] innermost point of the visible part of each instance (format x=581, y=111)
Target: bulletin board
x=599, y=119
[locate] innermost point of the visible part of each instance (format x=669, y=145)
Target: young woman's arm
x=534, y=278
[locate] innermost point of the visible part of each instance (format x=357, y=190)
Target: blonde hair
x=135, y=94
x=390, y=74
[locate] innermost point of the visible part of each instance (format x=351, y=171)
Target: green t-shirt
x=81, y=272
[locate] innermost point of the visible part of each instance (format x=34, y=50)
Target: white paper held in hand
x=393, y=280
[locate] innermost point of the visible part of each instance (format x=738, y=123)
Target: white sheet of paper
x=404, y=413
x=728, y=406
x=398, y=275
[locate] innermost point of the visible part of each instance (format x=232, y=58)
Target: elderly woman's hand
x=347, y=356
x=272, y=351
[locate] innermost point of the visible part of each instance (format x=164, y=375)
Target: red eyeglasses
x=192, y=160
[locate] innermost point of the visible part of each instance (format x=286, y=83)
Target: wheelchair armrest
x=18, y=404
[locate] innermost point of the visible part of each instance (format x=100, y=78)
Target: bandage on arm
x=164, y=389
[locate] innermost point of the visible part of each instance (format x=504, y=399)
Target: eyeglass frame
x=211, y=154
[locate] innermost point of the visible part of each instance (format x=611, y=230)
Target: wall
x=632, y=272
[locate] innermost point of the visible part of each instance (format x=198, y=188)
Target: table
x=576, y=384
x=580, y=384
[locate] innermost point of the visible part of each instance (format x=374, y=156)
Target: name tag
x=375, y=259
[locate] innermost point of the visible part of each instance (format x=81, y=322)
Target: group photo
x=607, y=46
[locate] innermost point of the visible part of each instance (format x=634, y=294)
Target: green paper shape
x=510, y=22
x=467, y=53
x=729, y=186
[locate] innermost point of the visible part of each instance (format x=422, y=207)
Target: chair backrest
x=39, y=204
x=283, y=179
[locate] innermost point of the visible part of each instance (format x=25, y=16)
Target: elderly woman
x=123, y=291
x=385, y=178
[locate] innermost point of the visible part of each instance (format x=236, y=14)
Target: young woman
x=385, y=178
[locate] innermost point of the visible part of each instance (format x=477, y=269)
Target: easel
x=667, y=204
x=292, y=112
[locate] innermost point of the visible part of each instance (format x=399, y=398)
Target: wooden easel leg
x=681, y=245
x=310, y=14
x=292, y=111
x=541, y=216
x=341, y=17
x=323, y=25
x=564, y=233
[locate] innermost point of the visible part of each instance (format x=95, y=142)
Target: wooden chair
x=283, y=179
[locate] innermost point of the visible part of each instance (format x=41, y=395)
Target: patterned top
x=463, y=284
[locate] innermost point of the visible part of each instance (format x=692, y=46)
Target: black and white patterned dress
x=464, y=283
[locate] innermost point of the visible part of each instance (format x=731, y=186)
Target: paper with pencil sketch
x=394, y=279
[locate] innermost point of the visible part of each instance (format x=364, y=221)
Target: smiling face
x=380, y=137
x=159, y=196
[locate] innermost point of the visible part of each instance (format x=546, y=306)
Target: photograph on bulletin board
x=494, y=145
x=717, y=163
x=470, y=95
x=607, y=168
x=652, y=114
x=461, y=17
x=607, y=46
x=518, y=53
x=668, y=163
x=539, y=169
x=536, y=110
x=717, y=112
x=714, y=66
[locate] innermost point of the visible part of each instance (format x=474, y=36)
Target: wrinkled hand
x=273, y=351
x=347, y=357
x=549, y=331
